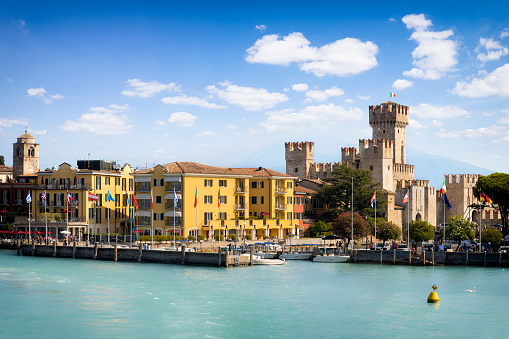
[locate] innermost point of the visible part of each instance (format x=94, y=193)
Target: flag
x=175, y=199
x=442, y=190
x=110, y=197
x=43, y=196
x=392, y=95
x=373, y=200
x=196, y=197
x=405, y=199
x=488, y=200
x=219, y=198
x=446, y=202
x=69, y=198
x=29, y=198
x=483, y=197
x=92, y=197
x=134, y=201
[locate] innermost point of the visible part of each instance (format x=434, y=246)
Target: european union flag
x=446, y=202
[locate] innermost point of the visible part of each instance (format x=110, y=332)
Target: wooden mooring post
x=55, y=248
x=115, y=251
x=74, y=249
x=423, y=258
x=219, y=255
x=33, y=247
x=141, y=252
x=18, y=247
x=183, y=255
x=394, y=257
x=96, y=245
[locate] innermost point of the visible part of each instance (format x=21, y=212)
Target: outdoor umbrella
x=4, y=211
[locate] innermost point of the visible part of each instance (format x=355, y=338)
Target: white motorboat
x=331, y=258
x=261, y=261
x=296, y=256
x=266, y=255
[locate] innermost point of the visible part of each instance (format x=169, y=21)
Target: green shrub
x=233, y=237
x=217, y=237
x=249, y=237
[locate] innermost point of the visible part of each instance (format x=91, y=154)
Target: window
x=98, y=215
x=222, y=215
x=288, y=215
x=117, y=200
x=100, y=200
x=296, y=169
x=257, y=200
x=90, y=213
x=289, y=184
x=207, y=199
x=222, y=199
x=117, y=181
x=257, y=184
x=98, y=183
x=158, y=200
x=131, y=184
x=158, y=216
x=207, y=216
x=207, y=183
x=289, y=200
x=222, y=183
x=124, y=200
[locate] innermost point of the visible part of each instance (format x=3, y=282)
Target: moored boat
x=296, y=256
x=261, y=261
x=331, y=258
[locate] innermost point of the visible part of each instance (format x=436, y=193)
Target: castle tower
x=25, y=156
x=388, y=121
x=299, y=156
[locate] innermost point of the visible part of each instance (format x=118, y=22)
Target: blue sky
x=225, y=84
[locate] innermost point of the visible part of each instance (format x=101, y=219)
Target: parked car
x=427, y=247
x=403, y=247
x=503, y=249
x=382, y=246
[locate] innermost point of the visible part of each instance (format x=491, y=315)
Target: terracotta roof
x=196, y=168
x=300, y=189
x=5, y=168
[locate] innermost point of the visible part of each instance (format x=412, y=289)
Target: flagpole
x=444, y=220
x=46, y=216
x=480, y=227
x=408, y=223
x=196, y=210
x=174, y=203
x=108, y=198
x=375, y=216
x=352, y=217
x=152, y=216
x=29, y=210
x=67, y=217
x=219, y=217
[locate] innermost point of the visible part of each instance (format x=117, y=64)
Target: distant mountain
x=433, y=167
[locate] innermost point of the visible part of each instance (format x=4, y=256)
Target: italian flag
x=392, y=95
x=196, y=197
x=443, y=189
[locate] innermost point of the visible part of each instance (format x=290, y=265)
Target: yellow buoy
x=433, y=296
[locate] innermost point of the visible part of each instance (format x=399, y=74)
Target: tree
x=336, y=192
x=421, y=231
x=496, y=187
x=318, y=229
x=460, y=229
x=387, y=230
x=491, y=235
x=342, y=226
x=2, y=160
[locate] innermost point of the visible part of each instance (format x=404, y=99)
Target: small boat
x=296, y=256
x=331, y=258
x=261, y=261
x=266, y=255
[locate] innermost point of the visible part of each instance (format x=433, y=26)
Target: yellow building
x=251, y=201
x=78, y=214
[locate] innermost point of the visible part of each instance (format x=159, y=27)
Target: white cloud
x=41, y=94
x=231, y=127
x=36, y=92
x=494, y=83
x=349, y=101
x=148, y=89
x=415, y=125
x=435, y=55
x=504, y=34
x=251, y=99
x=261, y=28
x=401, y=84
x=322, y=117
x=300, y=87
x=427, y=111
x=392, y=20
x=493, y=131
x=185, y=100
x=206, y=134
x=317, y=95
x=362, y=97
x=101, y=120
x=494, y=50
x=182, y=119
x=37, y=132
x=8, y=122
x=344, y=57
x=160, y=123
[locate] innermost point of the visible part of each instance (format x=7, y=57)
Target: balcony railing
x=143, y=187
x=4, y=201
x=169, y=205
x=145, y=206
x=57, y=204
x=280, y=206
x=169, y=222
x=17, y=202
x=240, y=189
x=170, y=188
x=280, y=190
x=240, y=206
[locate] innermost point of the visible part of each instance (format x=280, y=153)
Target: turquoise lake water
x=54, y=297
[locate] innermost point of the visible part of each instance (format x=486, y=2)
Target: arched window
x=18, y=152
x=31, y=152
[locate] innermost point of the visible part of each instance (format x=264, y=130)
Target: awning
x=142, y=196
x=142, y=179
x=143, y=214
x=170, y=214
x=172, y=179
x=171, y=196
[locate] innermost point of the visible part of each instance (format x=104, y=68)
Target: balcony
x=240, y=190
x=169, y=205
x=57, y=204
x=280, y=190
x=143, y=187
x=171, y=188
x=17, y=202
x=145, y=206
x=280, y=207
x=4, y=201
x=240, y=207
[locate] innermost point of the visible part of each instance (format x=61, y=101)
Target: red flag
x=196, y=197
x=135, y=203
x=405, y=199
x=92, y=197
x=219, y=198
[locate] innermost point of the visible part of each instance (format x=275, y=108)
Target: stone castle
x=384, y=155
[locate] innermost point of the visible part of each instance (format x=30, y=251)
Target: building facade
x=190, y=199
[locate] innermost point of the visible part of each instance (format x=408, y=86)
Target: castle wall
x=376, y=156
x=299, y=156
x=322, y=170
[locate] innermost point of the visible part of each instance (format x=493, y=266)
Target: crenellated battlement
x=388, y=113
x=322, y=170
x=349, y=154
x=404, y=168
x=461, y=180
x=379, y=148
x=414, y=182
x=306, y=146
